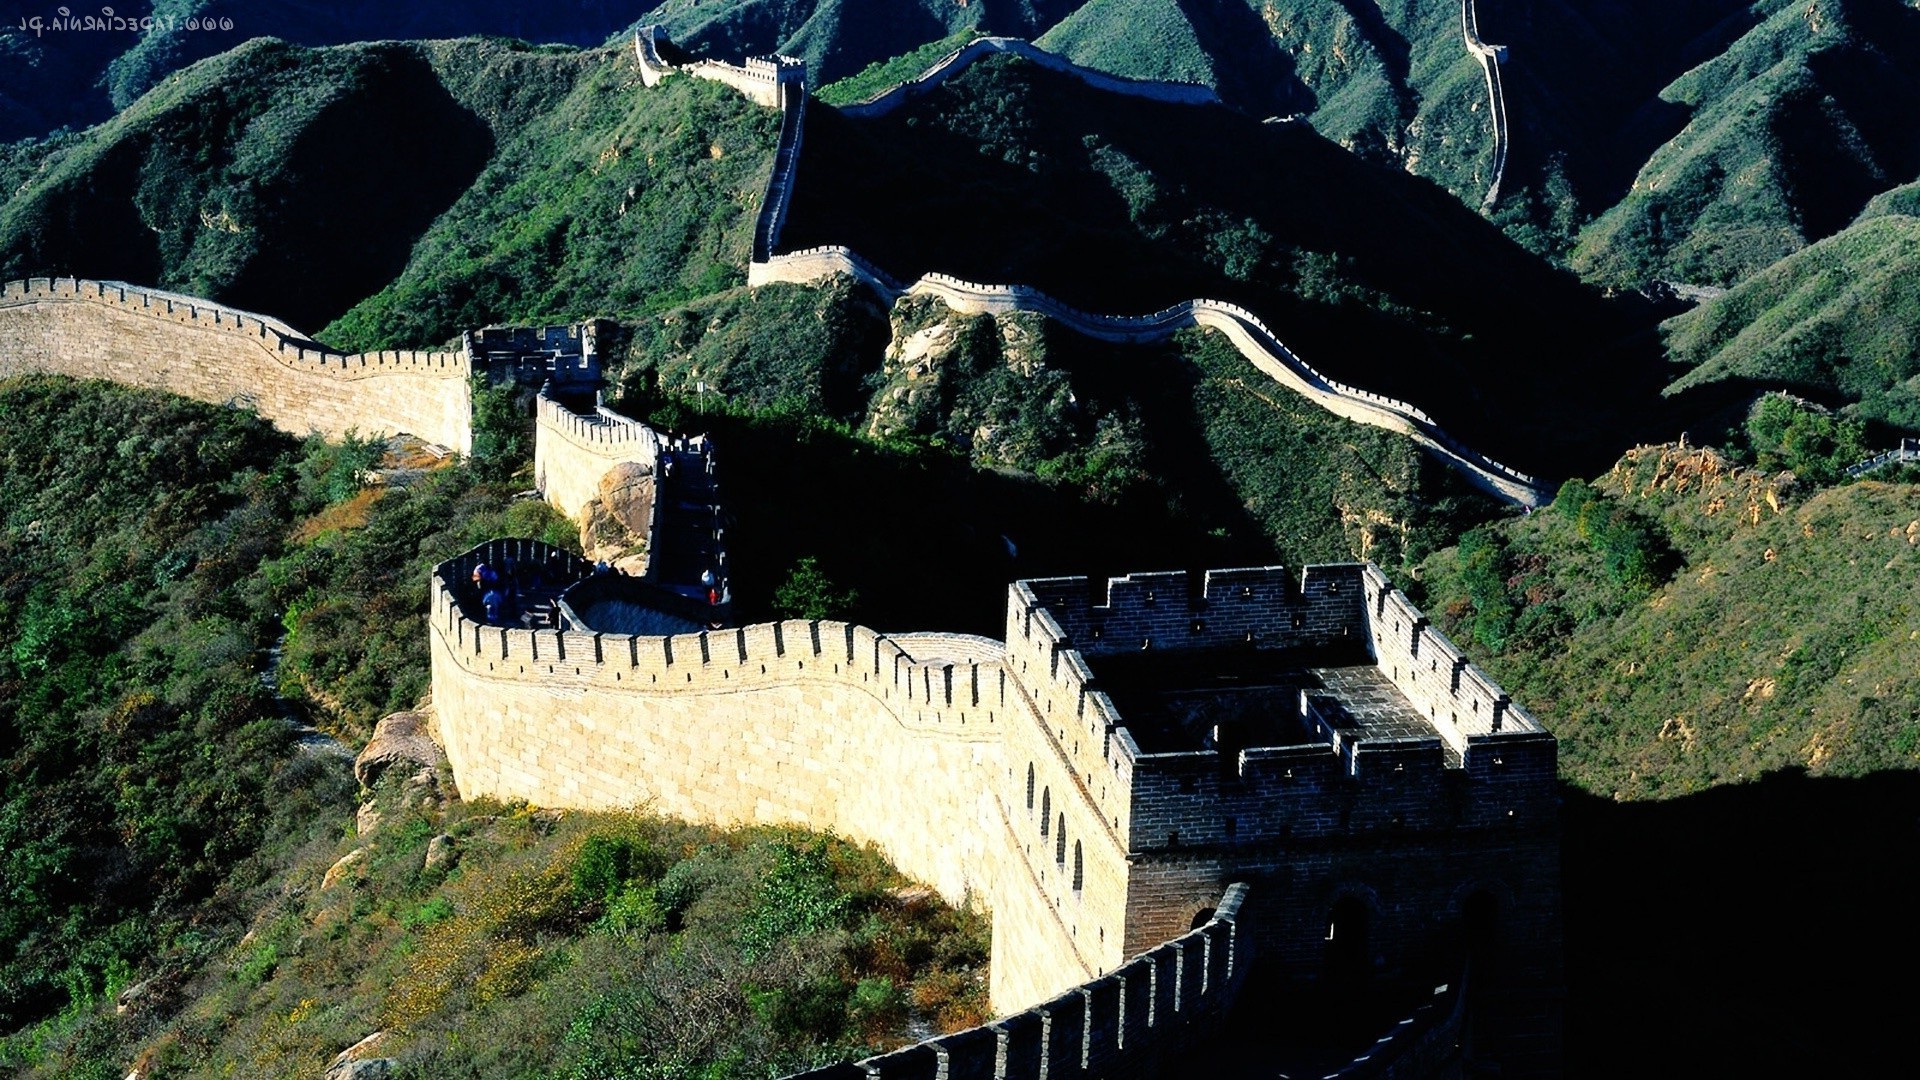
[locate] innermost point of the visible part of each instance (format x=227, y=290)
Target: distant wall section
x=142, y=337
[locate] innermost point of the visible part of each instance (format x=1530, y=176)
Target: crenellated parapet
x=1132, y=1021
x=574, y=450
x=1098, y=779
x=198, y=349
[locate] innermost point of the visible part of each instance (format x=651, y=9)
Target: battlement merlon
x=1237, y=707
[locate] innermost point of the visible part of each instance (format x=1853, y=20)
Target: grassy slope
x=1773, y=638
x=1791, y=130
x=275, y=178
x=1052, y=177
x=616, y=199
x=1904, y=199
x=1839, y=321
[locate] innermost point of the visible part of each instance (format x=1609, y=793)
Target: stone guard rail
x=1126, y=1023
x=199, y=349
x=1244, y=329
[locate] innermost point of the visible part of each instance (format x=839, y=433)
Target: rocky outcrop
x=401, y=738
x=357, y=1062
x=615, y=526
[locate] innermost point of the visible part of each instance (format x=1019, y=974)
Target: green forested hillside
x=615, y=199
x=65, y=70
x=188, y=888
x=409, y=191
x=1790, y=131
x=1839, y=322
x=1687, y=623
x=274, y=178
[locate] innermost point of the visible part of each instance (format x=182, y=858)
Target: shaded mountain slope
x=1839, y=321
x=273, y=178
x=1009, y=173
x=1790, y=131
x=72, y=77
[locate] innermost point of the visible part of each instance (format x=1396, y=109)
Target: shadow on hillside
x=1118, y=205
x=1756, y=929
x=928, y=542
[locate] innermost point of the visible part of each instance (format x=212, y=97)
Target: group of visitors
x=502, y=589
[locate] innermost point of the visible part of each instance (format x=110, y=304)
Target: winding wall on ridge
x=144, y=337
x=1247, y=333
x=1177, y=93
x=1244, y=329
x=1490, y=57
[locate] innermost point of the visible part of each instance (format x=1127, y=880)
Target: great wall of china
x=198, y=349
x=1363, y=798
x=780, y=83
x=1490, y=58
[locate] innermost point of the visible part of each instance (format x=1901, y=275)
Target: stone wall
x=761, y=79
x=1177, y=93
x=1131, y=1022
x=144, y=337
x=1244, y=329
x=826, y=725
x=1490, y=58
x=571, y=452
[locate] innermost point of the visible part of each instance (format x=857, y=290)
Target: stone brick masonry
x=142, y=337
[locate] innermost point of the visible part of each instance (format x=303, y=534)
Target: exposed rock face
x=367, y=819
x=340, y=869
x=357, y=1063
x=615, y=527
x=442, y=852
x=399, y=738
